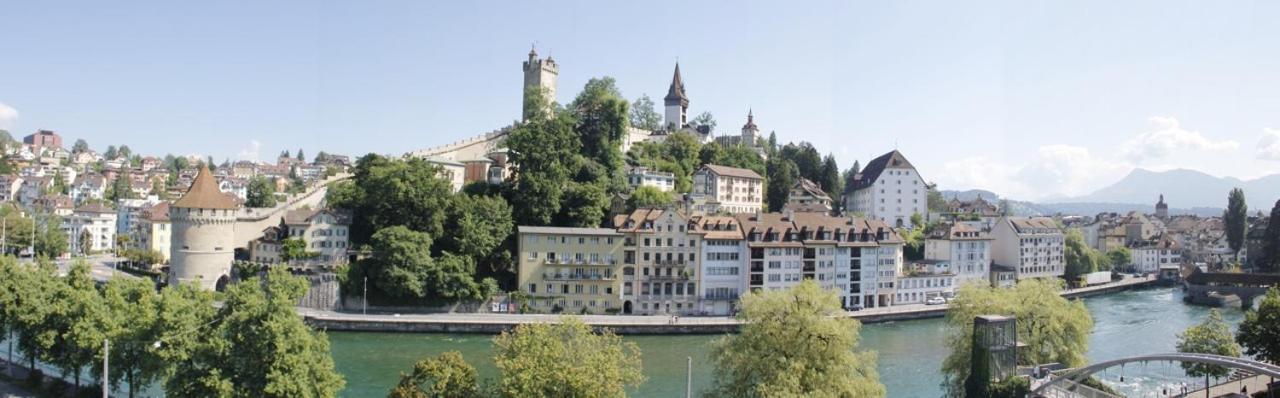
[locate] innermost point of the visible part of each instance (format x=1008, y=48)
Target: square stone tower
x=542, y=74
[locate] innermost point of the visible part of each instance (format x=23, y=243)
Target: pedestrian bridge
x=1245, y=286
x=1053, y=387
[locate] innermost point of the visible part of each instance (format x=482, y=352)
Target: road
x=102, y=266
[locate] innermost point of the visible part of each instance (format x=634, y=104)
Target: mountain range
x=1185, y=191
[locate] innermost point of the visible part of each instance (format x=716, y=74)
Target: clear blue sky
x=1026, y=98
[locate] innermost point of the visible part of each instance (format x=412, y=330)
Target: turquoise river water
x=910, y=352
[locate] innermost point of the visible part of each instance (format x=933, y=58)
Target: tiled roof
x=732, y=171
x=528, y=229
x=95, y=207
x=204, y=194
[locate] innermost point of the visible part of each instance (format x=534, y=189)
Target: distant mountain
x=970, y=195
x=1025, y=208
x=1184, y=188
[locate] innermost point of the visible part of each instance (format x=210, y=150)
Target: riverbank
x=627, y=324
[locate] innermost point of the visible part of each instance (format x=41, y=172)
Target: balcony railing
x=575, y=277
x=730, y=296
x=585, y=261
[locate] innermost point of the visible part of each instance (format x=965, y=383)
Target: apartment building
x=965, y=249
x=889, y=189
x=660, y=257
x=722, y=278
x=91, y=228
x=644, y=177
x=727, y=189
x=571, y=269
x=151, y=229
x=1032, y=246
x=1149, y=257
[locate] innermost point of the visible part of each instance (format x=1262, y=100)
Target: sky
x=1034, y=100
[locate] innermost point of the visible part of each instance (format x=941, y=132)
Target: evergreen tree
x=301, y=157
x=1236, y=219
x=80, y=146
x=1269, y=259
x=782, y=175
x=704, y=119
x=830, y=179
x=601, y=126
x=124, y=152
x=110, y=153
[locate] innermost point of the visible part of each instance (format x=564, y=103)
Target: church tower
x=542, y=74
x=1162, y=209
x=677, y=103
x=750, y=133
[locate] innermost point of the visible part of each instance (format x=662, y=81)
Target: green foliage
x=541, y=150
x=937, y=203
x=794, y=343
x=648, y=197
x=17, y=229
x=1011, y=387
x=602, y=120
x=1236, y=220
x=565, y=359
x=300, y=156
x=1259, y=333
x=120, y=188
x=739, y=156
x=295, y=249
x=260, y=193
x=978, y=383
x=50, y=240
x=111, y=152
x=808, y=162
x=829, y=179
x=1269, y=259
x=134, y=308
x=478, y=227
x=679, y=154
x=704, y=119
x=401, y=266
x=584, y=205
x=644, y=114
x=1080, y=258
x=259, y=347
x=782, y=175
x=1053, y=328
x=1212, y=336
x=402, y=192
x=1118, y=258
x=446, y=375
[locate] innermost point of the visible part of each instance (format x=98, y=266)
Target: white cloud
x=250, y=153
x=1054, y=170
x=7, y=115
x=1269, y=145
x=1167, y=137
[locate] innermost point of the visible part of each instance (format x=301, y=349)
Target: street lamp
x=364, y=303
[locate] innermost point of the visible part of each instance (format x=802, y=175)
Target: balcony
x=548, y=276
x=584, y=262
x=661, y=278
x=727, y=297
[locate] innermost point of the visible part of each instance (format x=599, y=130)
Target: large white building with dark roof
x=727, y=189
x=889, y=189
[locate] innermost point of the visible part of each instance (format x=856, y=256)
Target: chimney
x=787, y=214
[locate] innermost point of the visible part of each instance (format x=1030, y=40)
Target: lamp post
x=106, y=348
x=364, y=304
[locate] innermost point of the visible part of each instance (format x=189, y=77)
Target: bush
x=1011, y=387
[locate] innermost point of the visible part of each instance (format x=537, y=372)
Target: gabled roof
x=811, y=188
x=204, y=194
x=871, y=173
x=675, y=94
x=732, y=171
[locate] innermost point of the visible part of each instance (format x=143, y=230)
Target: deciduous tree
x=1259, y=333
x=446, y=376
x=565, y=359
x=1212, y=336
x=648, y=197
x=644, y=115
x=794, y=343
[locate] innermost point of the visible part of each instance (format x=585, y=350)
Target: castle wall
x=202, y=244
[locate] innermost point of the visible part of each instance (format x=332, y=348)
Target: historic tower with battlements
x=202, y=241
x=542, y=74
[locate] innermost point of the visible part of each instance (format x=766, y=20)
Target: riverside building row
x=663, y=261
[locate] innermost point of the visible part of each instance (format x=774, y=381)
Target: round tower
x=202, y=241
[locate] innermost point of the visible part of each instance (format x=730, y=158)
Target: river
x=910, y=352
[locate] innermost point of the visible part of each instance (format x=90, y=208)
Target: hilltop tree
x=260, y=193
x=829, y=179
x=565, y=359
x=704, y=119
x=1236, y=219
x=602, y=121
x=679, y=154
x=480, y=227
x=739, y=156
x=401, y=192
x=1212, y=336
x=806, y=159
x=260, y=347
x=1259, y=333
x=782, y=175
x=1053, y=328
x=772, y=148
x=301, y=156
x=124, y=152
x=541, y=149
x=644, y=114
x=446, y=375
x=1269, y=259
x=80, y=146
x=110, y=153
x=648, y=197
x=794, y=343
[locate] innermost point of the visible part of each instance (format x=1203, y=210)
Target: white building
x=918, y=287
x=728, y=189
x=324, y=231
x=660, y=255
x=128, y=211
x=966, y=249
x=722, y=277
x=889, y=189
x=1032, y=246
x=151, y=229
x=643, y=177
x=808, y=196
x=91, y=228
x=450, y=170
x=1150, y=257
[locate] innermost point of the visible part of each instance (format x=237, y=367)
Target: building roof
x=95, y=207
x=871, y=173
x=732, y=171
x=204, y=194
x=717, y=227
x=958, y=231
x=529, y=229
x=751, y=121
x=675, y=94
x=1025, y=223
x=158, y=212
x=811, y=188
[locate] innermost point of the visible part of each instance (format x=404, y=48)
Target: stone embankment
x=626, y=324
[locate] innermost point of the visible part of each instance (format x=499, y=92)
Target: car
x=935, y=300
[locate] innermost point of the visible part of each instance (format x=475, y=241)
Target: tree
x=794, y=343
x=1078, y=256
x=121, y=188
x=1212, y=336
x=648, y=197
x=782, y=175
x=295, y=249
x=1259, y=333
x=17, y=230
x=124, y=152
x=829, y=178
x=540, y=148
x=978, y=383
x=704, y=119
x=209, y=162
x=260, y=193
x=80, y=322
x=806, y=158
x=386, y=193
x=111, y=152
x=584, y=205
x=565, y=359
x=401, y=265
x=158, y=189
x=32, y=312
x=601, y=126
x=478, y=226
x=937, y=203
x=80, y=146
x=1269, y=259
x=259, y=347
x=133, y=306
x=1053, y=328
x=1236, y=220
x=1119, y=258
x=301, y=156
x=50, y=240
x=644, y=114
x=446, y=375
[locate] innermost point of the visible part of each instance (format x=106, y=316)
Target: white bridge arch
x=1209, y=359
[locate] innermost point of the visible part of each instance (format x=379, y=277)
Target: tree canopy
x=1259, y=332
x=446, y=375
x=648, y=197
x=1212, y=336
x=1236, y=219
x=644, y=114
x=1269, y=259
x=795, y=342
x=565, y=359
x=260, y=193
x=782, y=175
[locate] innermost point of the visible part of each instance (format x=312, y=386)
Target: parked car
x=935, y=300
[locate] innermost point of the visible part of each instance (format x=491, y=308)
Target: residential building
x=88, y=186
x=10, y=187
x=128, y=212
x=1150, y=256
x=91, y=228
x=639, y=176
x=925, y=280
x=571, y=269
x=33, y=188
x=452, y=171
x=1032, y=246
x=43, y=139
x=267, y=248
x=808, y=196
x=722, y=278
x=660, y=257
x=728, y=189
x=324, y=231
x=152, y=229
x=966, y=249
x=889, y=189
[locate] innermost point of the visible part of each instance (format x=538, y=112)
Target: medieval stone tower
x=201, y=243
x=677, y=103
x=542, y=74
